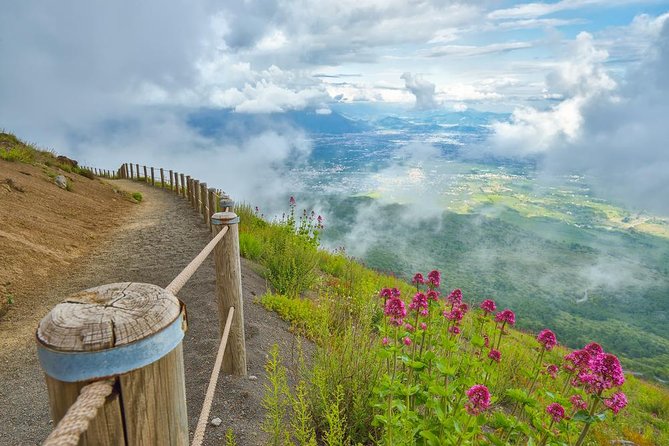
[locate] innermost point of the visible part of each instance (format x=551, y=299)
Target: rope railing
x=179, y=281
x=80, y=414
x=75, y=422
x=198, y=437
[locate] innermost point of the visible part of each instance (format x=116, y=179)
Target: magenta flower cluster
x=395, y=311
x=547, y=339
x=616, y=402
x=419, y=304
x=488, y=306
x=479, y=399
x=556, y=411
x=506, y=317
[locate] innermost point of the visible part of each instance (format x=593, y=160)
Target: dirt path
x=157, y=241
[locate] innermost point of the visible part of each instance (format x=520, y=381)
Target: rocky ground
x=150, y=242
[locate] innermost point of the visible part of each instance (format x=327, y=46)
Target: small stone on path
x=253, y=378
x=216, y=422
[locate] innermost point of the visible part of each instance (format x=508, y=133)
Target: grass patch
x=348, y=383
x=137, y=196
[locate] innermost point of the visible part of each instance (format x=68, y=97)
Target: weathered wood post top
x=133, y=331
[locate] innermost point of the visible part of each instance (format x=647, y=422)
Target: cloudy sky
x=90, y=78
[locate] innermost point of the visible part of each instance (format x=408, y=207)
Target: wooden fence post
x=132, y=172
x=196, y=195
x=204, y=206
x=229, y=291
x=153, y=177
x=138, y=340
x=171, y=180
x=137, y=167
x=188, y=189
x=212, y=206
x=162, y=178
x=146, y=175
x=183, y=185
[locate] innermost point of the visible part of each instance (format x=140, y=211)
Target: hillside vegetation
x=422, y=363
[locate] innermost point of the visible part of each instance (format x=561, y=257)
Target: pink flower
x=552, y=370
x=547, y=339
x=454, y=330
x=593, y=349
x=433, y=295
x=292, y=201
x=434, y=278
x=464, y=308
x=578, y=359
x=418, y=279
x=607, y=371
x=419, y=303
x=486, y=341
x=488, y=306
x=407, y=341
x=395, y=311
x=578, y=402
x=556, y=411
x=455, y=298
x=385, y=341
x=423, y=326
x=506, y=317
x=495, y=355
x=386, y=293
x=410, y=328
x=617, y=402
x=454, y=315
x=479, y=399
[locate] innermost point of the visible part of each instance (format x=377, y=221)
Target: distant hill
x=216, y=122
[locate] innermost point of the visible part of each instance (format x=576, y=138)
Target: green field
x=554, y=253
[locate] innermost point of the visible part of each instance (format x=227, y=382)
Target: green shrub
x=85, y=173
x=18, y=154
x=305, y=316
x=250, y=246
x=291, y=263
x=137, y=196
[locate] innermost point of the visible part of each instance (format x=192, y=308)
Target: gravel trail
x=158, y=239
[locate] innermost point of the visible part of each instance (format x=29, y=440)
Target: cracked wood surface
x=108, y=316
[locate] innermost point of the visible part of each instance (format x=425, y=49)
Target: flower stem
x=586, y=428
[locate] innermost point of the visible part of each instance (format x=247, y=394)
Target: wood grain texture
x=212, y=206
x=154, y=402
x=196, y=195
x=183, y=184
x=229, y=294
x=204, y=203
x=108, y=316
x=106, y=429
x=148, y=407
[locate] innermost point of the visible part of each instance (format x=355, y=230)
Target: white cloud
x=422, y=89
x=616, y=134
x=581, y=80
x=472, y=50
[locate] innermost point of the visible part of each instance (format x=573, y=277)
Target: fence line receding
x=112, y=355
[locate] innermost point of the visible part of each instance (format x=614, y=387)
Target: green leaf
x=582, y=416
x=379, y=420
x=430, y=437
x=494, y=439
x=599, y=417
x=477, y=341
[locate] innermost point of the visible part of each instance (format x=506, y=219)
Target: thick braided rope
x=198, y=437
x=75, y=422
x=180, y=280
